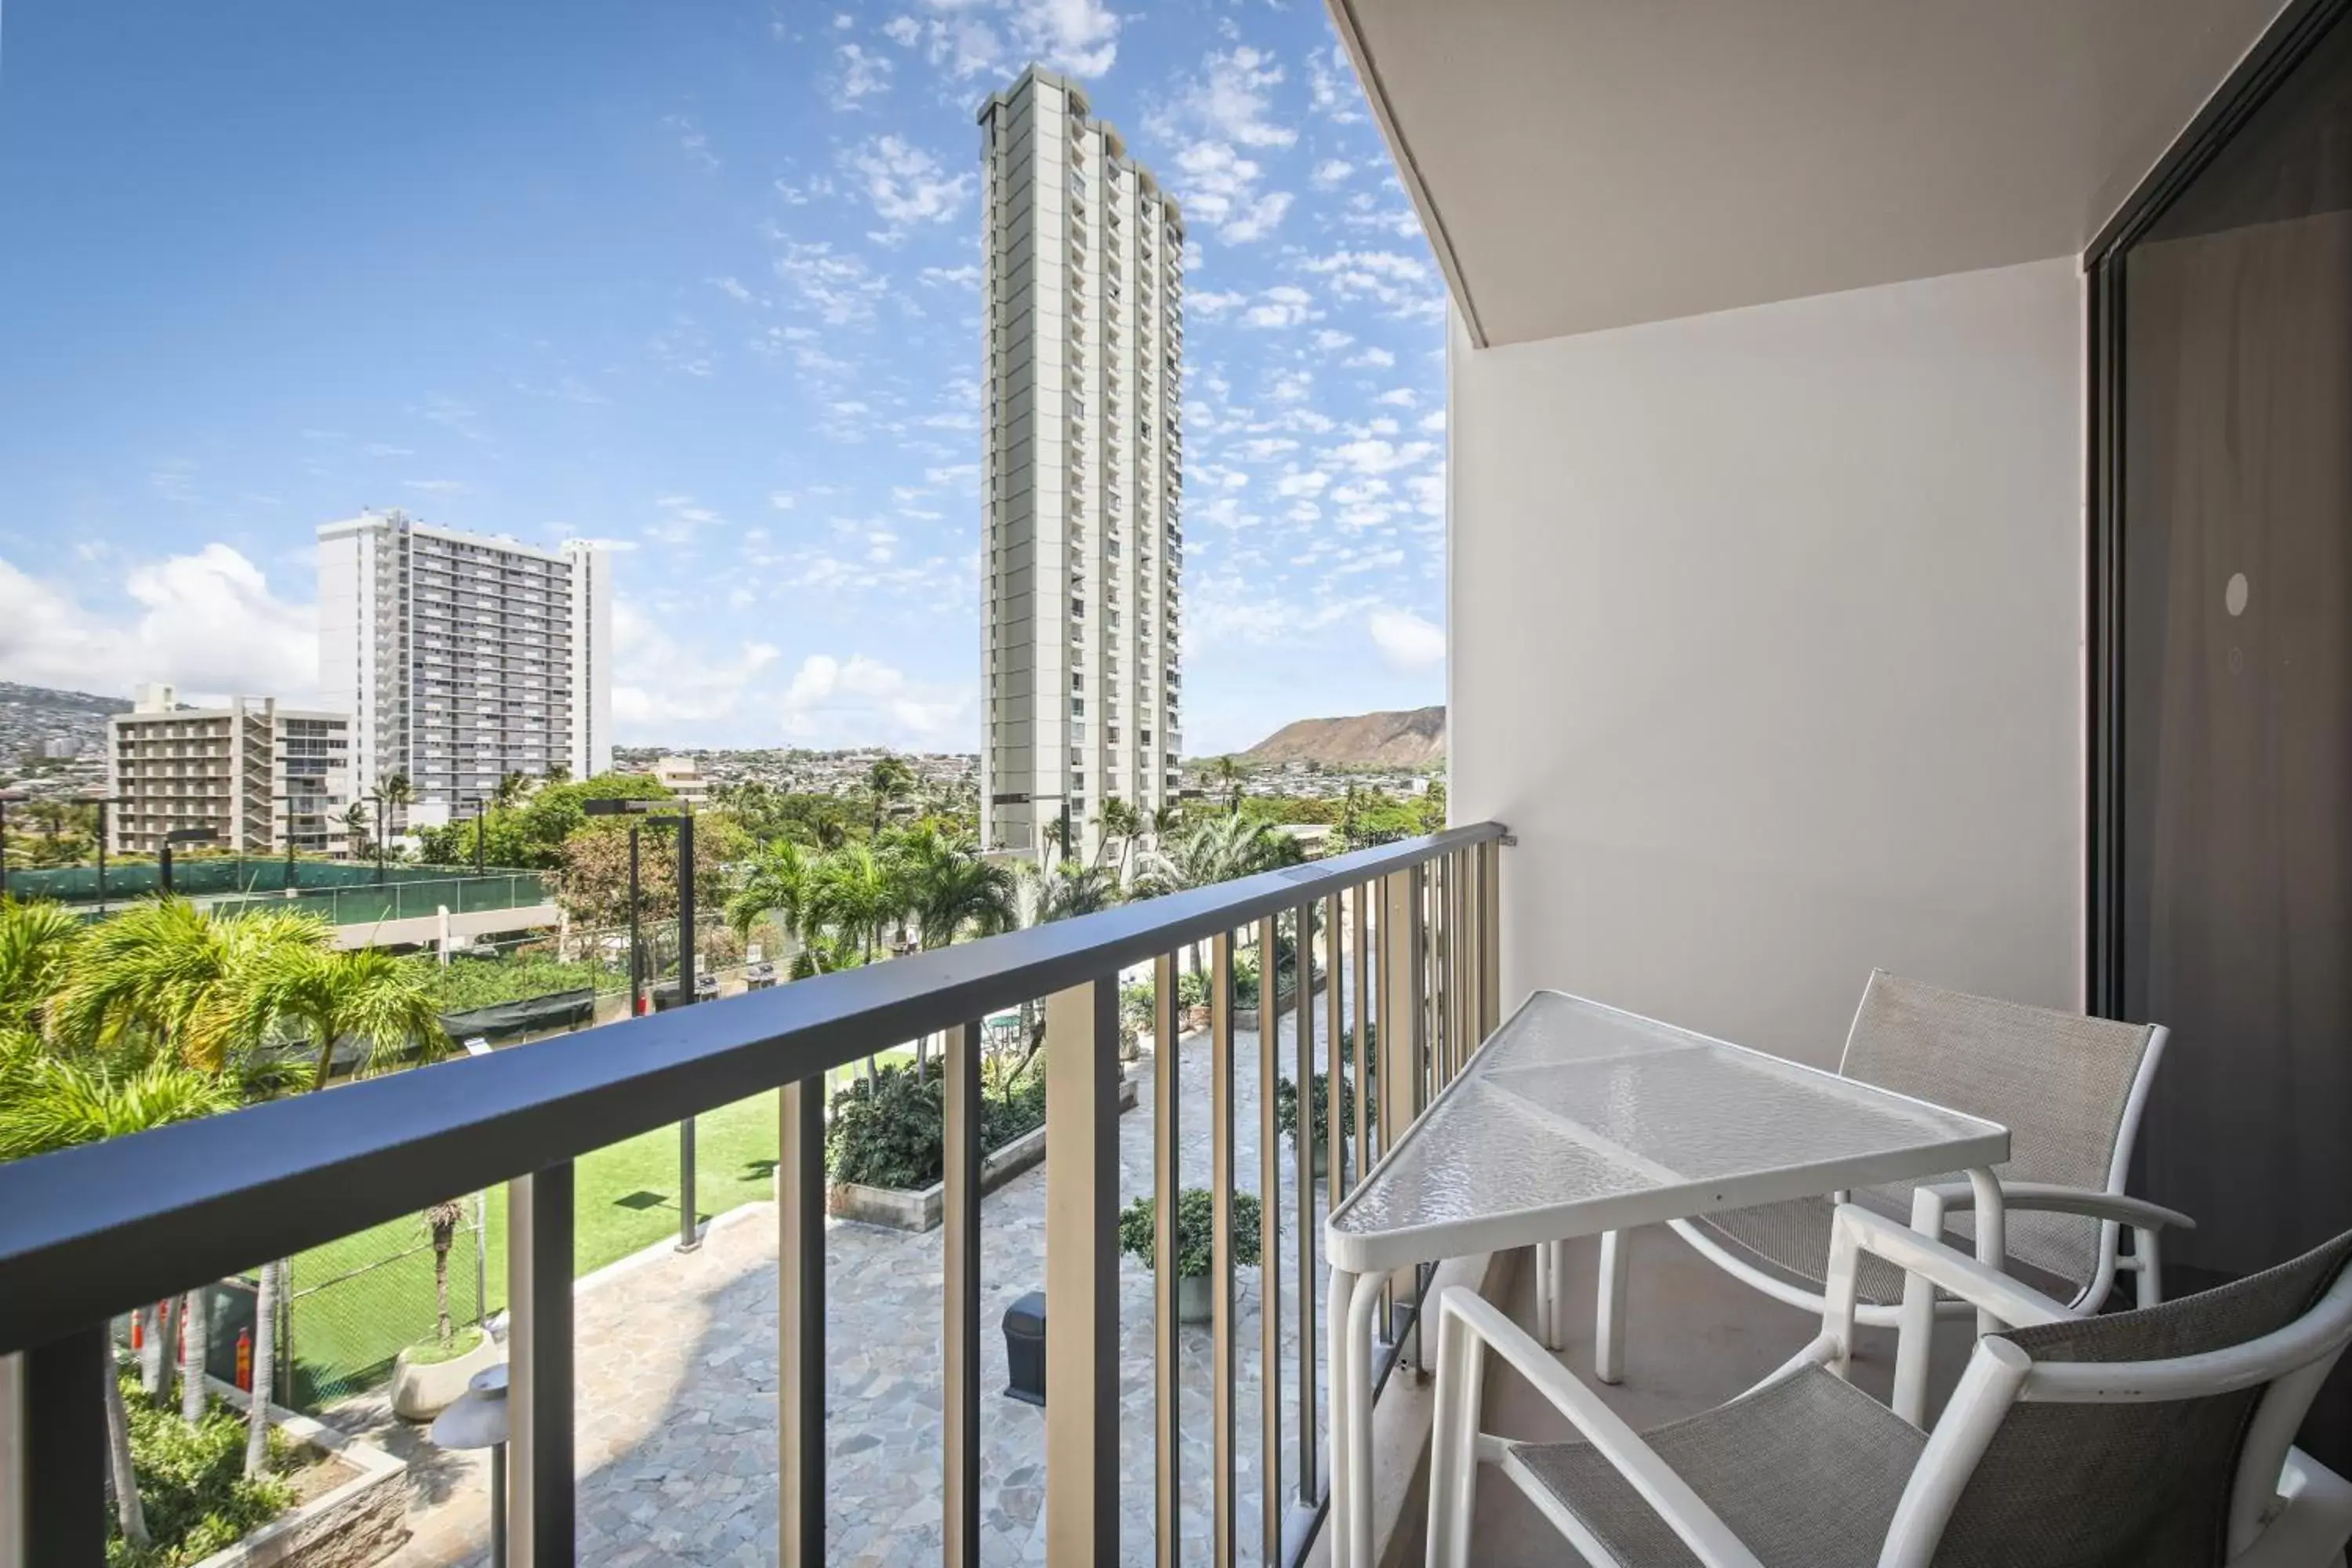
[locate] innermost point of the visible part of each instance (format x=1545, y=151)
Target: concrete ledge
x=896, y=1208
x=361, y=1521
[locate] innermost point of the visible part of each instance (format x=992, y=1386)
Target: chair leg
x=2148, y=1265
x=1609, y=1314
x=1544, y=1335
x=1453, y=1442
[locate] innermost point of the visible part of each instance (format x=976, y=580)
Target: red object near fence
x=245, y=1361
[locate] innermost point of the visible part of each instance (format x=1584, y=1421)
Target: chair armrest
x=1463, y=1310
x=2137, y=1213
x=1855, y=1230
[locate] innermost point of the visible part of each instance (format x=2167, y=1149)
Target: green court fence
x=354, y=1305
x=209, y=876
x=369, y=905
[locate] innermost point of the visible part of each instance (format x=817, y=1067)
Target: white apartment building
x=254, y=773
x=463, y=659
x=1083, y=288
x=683, y=777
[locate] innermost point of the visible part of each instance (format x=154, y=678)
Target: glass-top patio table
x=1575, y=1118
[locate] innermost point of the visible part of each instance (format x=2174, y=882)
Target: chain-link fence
x=354, y=1305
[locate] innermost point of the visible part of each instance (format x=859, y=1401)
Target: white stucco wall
x=1766, y=642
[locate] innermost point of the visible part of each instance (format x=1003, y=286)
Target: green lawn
x=625, y=1199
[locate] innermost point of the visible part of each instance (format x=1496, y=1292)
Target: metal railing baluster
x=60, y=1442
x=959, y=1536
x=1303, y=1179
x=1222, y=1171
x=1167, y=1193
x=1269, y=1244
x=541, y=1530
x=800, y=1323
x=1082, y=1274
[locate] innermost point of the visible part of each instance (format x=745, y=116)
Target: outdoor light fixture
x=652, y=810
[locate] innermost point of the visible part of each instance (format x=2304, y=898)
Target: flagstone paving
x=677, y=1379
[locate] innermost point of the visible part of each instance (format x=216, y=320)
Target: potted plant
x=428, y=1376
x=1196, y=1220
x=1285, y=1116
x=1136, y=1007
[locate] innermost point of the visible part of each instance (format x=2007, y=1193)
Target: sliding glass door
x=2226, y=903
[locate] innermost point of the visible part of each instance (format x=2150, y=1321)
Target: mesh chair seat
x=1791, y=1241
x=1806, y=1472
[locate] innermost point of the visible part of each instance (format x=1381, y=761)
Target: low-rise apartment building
x=257, y=774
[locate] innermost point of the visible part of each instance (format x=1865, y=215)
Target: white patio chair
x=2070, y=1090
x=2154, y=1439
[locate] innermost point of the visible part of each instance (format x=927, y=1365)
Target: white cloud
x=1372, y=358
x=1433, y=421
x=1399, y=397
x=1230, y=101
x=1403, y=283
x=1329, y=339
x=1407, y=644
x=976, y=37
x=964, y=277
x=667, y=685
x=1373, y=454
x=837, y=287
x=208, y=623
x=905, y=182
x=863, y=74
x=860, y=701
x=1331, y=83
x=437, y=486
x=1221, y=188
x=1284, y=305
x=1331, y=171
x=691, y=140
x=1209, y=302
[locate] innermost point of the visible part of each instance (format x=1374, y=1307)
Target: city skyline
x=701, y=286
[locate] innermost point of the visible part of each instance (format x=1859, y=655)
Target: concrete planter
x=354, y=1524
x=923, y=1210
x=1196, y=1299
x=420, y=1391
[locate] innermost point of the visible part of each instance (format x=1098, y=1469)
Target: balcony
x=250, y=1185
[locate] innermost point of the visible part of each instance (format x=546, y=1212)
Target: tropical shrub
x=1196, y=1222
x=192, y=1479
x=889, y=1130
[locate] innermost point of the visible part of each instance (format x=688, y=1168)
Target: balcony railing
x=1407, y=937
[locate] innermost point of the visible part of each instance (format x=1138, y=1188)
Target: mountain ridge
x=1407, y=738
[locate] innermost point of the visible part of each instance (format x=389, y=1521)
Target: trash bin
x=1024, y=1349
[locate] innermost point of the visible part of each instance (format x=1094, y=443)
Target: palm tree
x=56, y=1102
x=1165, y=822
x=782, y=884
x=143, y=975
x=441, y=1223
x=383, y=1004
x=1117, y=820
x=510, y=791
x=1232, y=773
x=858, y=892
x=37, y=951
x=357, y=823
x=1216, y=849
x=953, y=889
x=887, y=782
x=1070, y=889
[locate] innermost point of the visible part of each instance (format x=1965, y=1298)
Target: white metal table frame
x=1889, y=1137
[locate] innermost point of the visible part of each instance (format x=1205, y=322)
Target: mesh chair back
x=2144, y=1484
x=2060, y=1082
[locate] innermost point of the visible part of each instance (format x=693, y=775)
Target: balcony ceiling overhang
x=1581, y=164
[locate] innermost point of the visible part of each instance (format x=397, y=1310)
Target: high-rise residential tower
x=1082, y=295
x=462, y=659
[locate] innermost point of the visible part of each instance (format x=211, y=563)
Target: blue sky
x=698, y=280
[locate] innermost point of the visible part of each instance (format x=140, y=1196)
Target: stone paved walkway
x=677, y=1379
